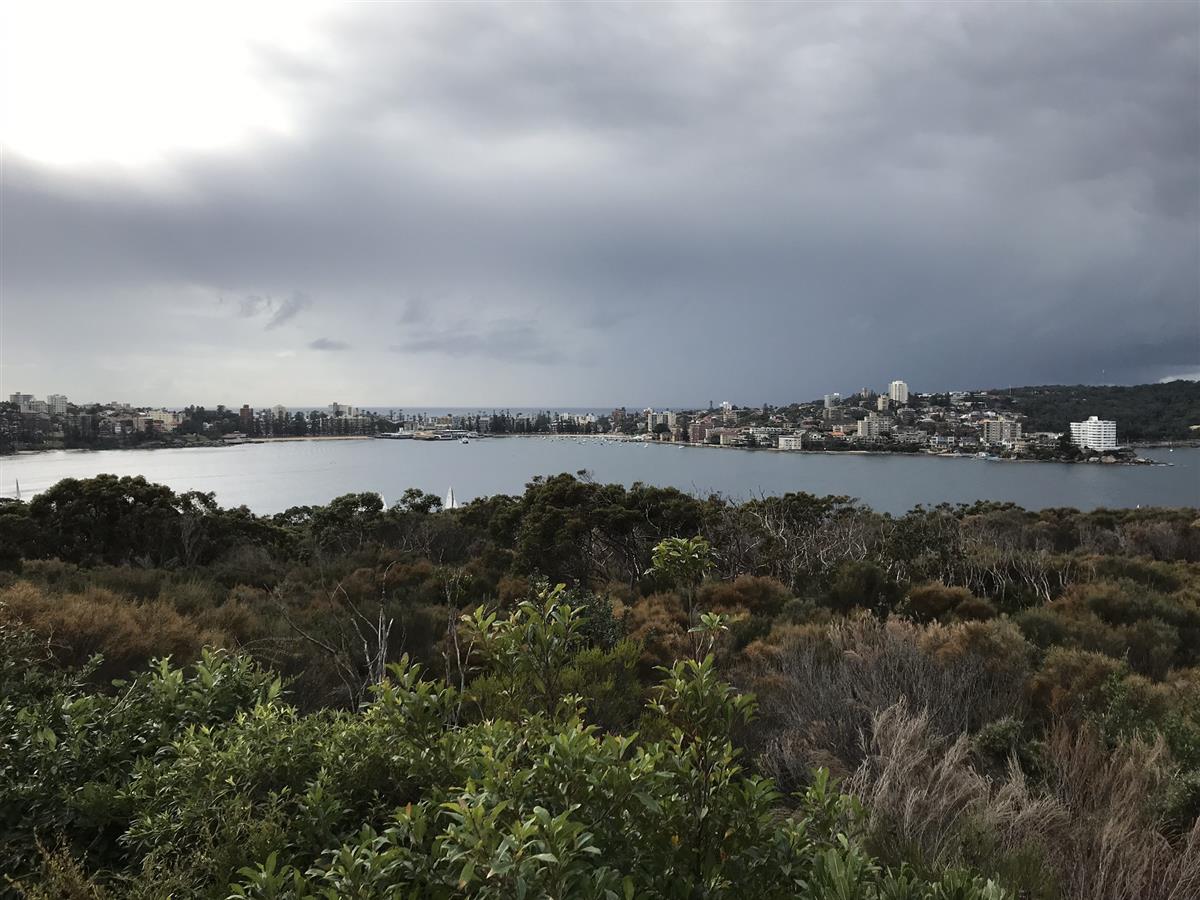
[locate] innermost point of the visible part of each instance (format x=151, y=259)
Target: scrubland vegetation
x=593, y=691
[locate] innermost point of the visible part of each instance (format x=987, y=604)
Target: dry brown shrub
x=126, y=633
x=512, y=588
x=975, y=608
x=747, y=593
x=1070, y=682
x=770, y=650
x=239, y=621
x=659, y=623
x=62, y=877
x=935, y=600
x=997, y=644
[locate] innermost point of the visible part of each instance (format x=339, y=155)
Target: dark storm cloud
x=328, y=344
x=414, y=312
x=288, y=309
x=253, y=305
x=762, y=201
x=271, y=311
x=511, y=340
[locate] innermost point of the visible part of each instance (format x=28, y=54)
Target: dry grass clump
x=820, y=691
x=1089, y=823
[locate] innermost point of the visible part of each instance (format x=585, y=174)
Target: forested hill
x=1143, y=412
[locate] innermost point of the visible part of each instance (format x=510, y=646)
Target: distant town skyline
x=898, y=391
x=570, y=204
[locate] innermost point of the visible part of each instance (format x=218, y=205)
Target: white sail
x=450, y=503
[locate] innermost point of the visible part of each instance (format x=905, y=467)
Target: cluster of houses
x=55, y=417
x=946, y=423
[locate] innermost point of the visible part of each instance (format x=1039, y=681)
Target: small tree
x=531, y=650
x=683, y=563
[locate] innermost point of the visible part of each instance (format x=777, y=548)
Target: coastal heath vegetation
x=589, y=690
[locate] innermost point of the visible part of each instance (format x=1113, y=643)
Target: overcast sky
x=595, y=204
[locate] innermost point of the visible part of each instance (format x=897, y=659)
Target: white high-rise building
x=898, y=392
x=832, y=400
x=57, y=404
x=1094, y=434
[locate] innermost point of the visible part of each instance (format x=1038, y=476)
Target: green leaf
x=467, y=874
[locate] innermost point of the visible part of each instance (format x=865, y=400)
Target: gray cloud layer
x=328, y=344
x=654, y=203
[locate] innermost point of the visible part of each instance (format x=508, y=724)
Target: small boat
x=465, y=441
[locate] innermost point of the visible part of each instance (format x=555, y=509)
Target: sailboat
x=18, y=480
x=450, y=501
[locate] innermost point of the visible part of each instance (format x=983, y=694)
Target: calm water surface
x=270, y=477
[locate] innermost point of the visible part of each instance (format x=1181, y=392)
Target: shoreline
x=194, y=445
x=1137, y=461
x=625, y=439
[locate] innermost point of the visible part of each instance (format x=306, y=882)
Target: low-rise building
x=791, y=441
x=726, y=437
x=765, y=435
x=910, y=437
x=160, y=420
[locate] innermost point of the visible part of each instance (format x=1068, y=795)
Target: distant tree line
x=1143, y=412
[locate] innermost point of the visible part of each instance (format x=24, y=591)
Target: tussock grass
x=1087, y=825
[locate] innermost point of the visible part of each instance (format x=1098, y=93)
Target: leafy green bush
x=187, y=780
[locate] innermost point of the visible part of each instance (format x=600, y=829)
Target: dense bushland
x=369, y=702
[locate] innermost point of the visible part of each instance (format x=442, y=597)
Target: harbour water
x=271, y=477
